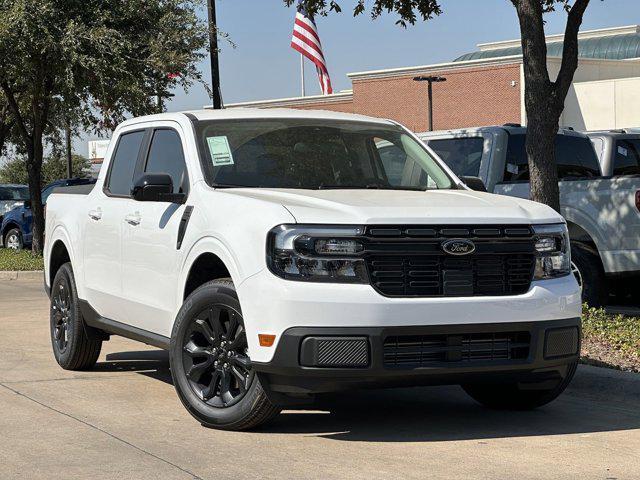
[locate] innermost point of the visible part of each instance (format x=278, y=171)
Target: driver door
x=150, y=257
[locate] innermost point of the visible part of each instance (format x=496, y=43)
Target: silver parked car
x=618, y=151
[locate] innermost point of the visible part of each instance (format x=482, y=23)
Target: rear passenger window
x=123, y=164
x=166, y=156
x=627, y=159
x=575, y=158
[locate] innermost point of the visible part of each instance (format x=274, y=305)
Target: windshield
x=19, y=193
x=315, y=154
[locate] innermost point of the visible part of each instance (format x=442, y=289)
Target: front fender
x=210, y=244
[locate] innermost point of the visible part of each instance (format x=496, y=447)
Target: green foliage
x=20, y=260
x=54, y=167
x=89, y=64
x=620, y=332
x=408, y=10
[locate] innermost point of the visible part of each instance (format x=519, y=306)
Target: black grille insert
x=413, y=351
x=413, y=263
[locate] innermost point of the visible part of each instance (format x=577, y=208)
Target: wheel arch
x=578, y=235
x=207, y=260
x=59, y=250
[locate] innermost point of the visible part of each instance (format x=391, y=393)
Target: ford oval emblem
x=458, y=246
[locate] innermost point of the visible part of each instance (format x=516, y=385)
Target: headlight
x=316, y=254
x=553, y=254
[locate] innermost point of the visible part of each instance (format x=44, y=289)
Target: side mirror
x=27, y=204
x=474, y=183
x=155, y=187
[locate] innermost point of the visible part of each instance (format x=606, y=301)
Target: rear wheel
x=13, y=239
x=72, y=347
x=516, y=396
x=589, y=273
x=210, y=364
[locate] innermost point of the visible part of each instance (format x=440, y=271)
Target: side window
x=516, y=166
x=123, y=163
x=575, y=158
x=462, y=155
x=166, y=156
x=627, y=159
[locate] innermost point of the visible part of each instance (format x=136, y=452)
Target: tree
x=91, y=64
x=54, y=167
x=544, y=99
x=6, y=122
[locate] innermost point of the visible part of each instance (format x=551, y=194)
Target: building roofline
x=339, y=97
x=402, y=71
x=559, y=37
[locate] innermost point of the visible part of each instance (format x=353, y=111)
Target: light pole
x=213, y=53
x=431, y=80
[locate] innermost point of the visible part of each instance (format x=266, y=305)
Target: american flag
x=306, y=40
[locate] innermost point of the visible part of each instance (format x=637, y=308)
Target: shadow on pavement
x=422, y=414
x=151, y=363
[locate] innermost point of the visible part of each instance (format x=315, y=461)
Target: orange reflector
x=266, y=340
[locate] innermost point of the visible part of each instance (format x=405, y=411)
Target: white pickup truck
x=602, y=213
x=277, y=254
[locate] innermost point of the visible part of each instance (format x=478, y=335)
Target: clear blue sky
x=263, y=65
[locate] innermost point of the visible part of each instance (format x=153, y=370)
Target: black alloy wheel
x=61, y=314
x=210, y=364
x=76, y=346
x=215, y=356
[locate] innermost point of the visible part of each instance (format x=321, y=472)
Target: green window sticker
x=220, y=151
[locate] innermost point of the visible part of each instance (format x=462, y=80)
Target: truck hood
x=368, y=206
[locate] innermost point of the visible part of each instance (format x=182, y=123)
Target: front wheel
x=587, y=268
x=515, y=396
x=210, y=364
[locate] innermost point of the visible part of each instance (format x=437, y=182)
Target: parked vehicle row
x=277, y=254
x=17, y=223
x=602, y=213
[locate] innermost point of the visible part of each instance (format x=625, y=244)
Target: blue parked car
x=16, y=227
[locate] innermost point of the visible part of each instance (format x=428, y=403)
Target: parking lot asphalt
x=123, y=420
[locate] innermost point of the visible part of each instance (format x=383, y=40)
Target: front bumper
x=271, y=305
x=545, y=360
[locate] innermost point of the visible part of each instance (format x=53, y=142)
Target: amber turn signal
x=266, y=340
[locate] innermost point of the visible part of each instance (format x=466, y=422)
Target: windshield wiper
x=372, y=186
x=322, y=186
x=230, y=185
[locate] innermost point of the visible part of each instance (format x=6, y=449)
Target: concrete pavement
x=123, y=421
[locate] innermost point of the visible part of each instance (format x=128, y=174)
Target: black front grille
x=410, y=261
x=413, y=351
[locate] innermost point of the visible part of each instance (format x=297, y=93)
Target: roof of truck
x=258, y=113
x=508, y=127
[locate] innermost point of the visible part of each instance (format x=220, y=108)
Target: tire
x=209, y=363
x=72, y=347
x=13, y=239
x=511, y=396
x=590, y=275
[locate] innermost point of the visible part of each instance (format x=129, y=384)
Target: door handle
x=95, y=214
x=133, y=219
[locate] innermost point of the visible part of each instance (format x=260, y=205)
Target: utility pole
x=213, y=53
x=67, y=135
x=431, y=80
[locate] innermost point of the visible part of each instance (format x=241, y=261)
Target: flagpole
x=302, y=74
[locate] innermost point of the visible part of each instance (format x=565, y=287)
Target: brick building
x=487, y=87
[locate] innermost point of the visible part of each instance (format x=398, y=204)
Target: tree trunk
x=544, y=100
x=34, y=171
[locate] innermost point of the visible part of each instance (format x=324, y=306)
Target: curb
x=20, y=275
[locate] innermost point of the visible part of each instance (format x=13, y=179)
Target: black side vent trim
x=184, y=221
